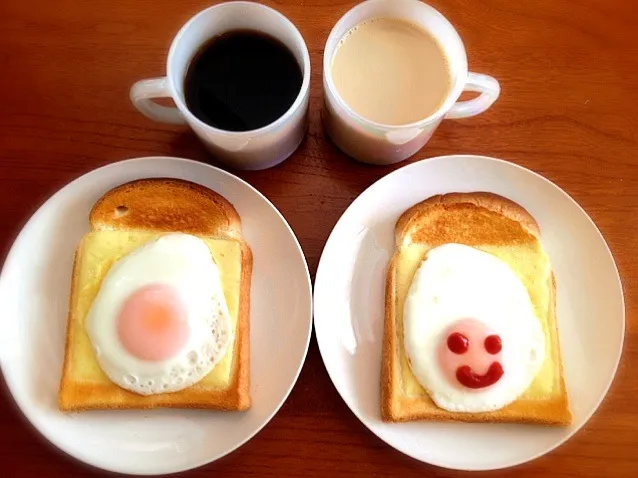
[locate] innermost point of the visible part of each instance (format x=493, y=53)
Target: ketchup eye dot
x=458, y=343
x=493, y=344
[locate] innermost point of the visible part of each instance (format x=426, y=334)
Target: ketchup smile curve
x=470, y=379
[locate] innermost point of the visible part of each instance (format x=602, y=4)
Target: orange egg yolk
x=153, y=324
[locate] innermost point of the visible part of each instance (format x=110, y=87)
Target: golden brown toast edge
x=224, y=222
x=164, y=205
x=395, y=405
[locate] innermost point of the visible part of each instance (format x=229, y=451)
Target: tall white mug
x=376, y=143
x=255, y=149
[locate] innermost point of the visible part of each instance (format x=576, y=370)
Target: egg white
x=457, y=281
x=185, y=263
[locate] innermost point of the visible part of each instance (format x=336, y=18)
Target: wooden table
x=568, y=111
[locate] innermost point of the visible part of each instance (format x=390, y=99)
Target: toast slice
x=500, y=227
x=123, y=219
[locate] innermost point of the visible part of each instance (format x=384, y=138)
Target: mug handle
x=141, y=95
x=489, y=90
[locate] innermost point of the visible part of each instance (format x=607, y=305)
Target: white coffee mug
x=376, y=143
x=255, y=149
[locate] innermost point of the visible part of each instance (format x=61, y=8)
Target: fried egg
x=160, y=322
x=470, y=333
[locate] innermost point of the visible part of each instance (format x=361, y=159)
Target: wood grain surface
x=567, y=110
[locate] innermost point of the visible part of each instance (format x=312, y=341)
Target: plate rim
x=599, y=400
x=114, y=165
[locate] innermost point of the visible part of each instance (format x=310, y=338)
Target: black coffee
x=242, y=80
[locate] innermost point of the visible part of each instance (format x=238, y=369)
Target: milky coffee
x=391, y=71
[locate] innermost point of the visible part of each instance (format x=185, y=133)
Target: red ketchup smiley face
x=470, y=354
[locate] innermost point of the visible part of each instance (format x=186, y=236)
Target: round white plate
x=34, y=295
x=349, y=307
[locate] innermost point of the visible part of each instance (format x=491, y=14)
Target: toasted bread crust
x=166, y=204
x=223, y=222
x=395, y=405
x=389, y=362
x=473, y=207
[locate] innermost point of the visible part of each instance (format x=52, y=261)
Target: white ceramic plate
x=349, y=291
x=34, y=294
